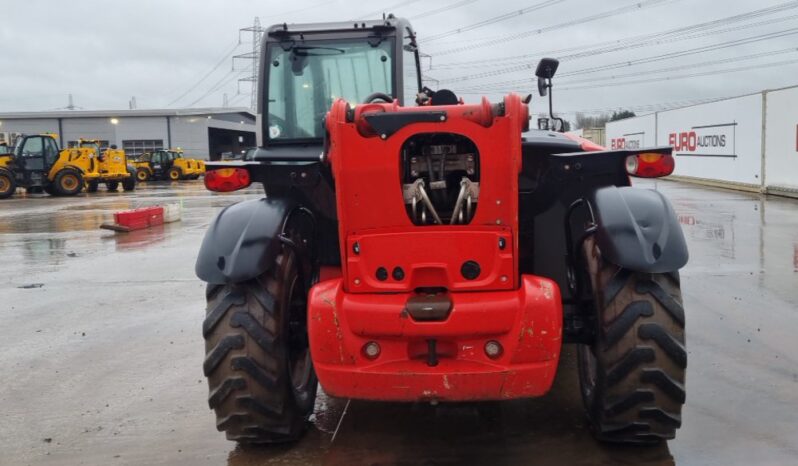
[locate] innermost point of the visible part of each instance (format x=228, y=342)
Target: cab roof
x=390, y=22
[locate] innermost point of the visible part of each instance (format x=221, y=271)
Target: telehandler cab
x=411, y=247
x=112, y=166
x=36, y=164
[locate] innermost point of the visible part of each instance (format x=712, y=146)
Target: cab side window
x=33, y=147
x=50, y=151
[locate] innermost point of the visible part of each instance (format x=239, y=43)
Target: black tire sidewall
x=619, y=394
x=303, y=399
x=58, y=182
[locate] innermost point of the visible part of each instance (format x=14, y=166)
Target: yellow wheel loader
x=112, y=166
x=167, y=165
x=37, y=165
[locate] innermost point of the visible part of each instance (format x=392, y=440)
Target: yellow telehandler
x=168, y=165
x=112, y=166
x=37, y=165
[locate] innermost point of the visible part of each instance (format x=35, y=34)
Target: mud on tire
x=632, y=378
x=262, y=384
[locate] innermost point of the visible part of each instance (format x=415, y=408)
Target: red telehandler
x=411, y=247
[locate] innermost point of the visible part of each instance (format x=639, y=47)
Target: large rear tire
x=8, y=184
x=68, y=182
x=260, y=374
x=632, y=378
x=142, y=174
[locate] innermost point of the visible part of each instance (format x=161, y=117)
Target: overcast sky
x=104, y=52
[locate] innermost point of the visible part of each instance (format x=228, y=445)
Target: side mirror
x=543, y=87
x=547, y=68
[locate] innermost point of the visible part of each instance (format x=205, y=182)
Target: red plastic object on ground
x=136, y=219
x=439, y=311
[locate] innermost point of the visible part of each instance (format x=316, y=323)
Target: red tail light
x=650, y=165
x=225, y=180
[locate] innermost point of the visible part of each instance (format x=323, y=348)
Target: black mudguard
x=637, y=229
x=243, y=241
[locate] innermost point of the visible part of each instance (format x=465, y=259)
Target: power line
x=661, y=57
x=206, y=75
x=595, y=17
x=684, y=53
x=672, y=35
x=659, y=79
x=226, y=79
x=591, y=53
x=685, y=76
x=668, y=71
x=489, y=21
x=428, y=13
x=387, y=9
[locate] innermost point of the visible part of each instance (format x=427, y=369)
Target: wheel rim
x=174, y=175
x=142, y=176
x=299, y=362
x=5, y=183
x=69, y=182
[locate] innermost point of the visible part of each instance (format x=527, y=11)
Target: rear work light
x=224, y=180
x=650, y=164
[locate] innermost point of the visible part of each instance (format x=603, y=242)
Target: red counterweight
x=367, y=166
x=430, y=304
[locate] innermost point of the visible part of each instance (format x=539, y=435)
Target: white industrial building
x=748, y=142
x=204, y=133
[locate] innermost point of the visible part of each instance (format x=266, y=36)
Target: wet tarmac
x=102, y=351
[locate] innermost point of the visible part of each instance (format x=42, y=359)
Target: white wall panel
x=719, y=141
x=781, y=139
x=632, y=133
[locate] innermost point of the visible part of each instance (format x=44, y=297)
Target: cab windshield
x=306, y=77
